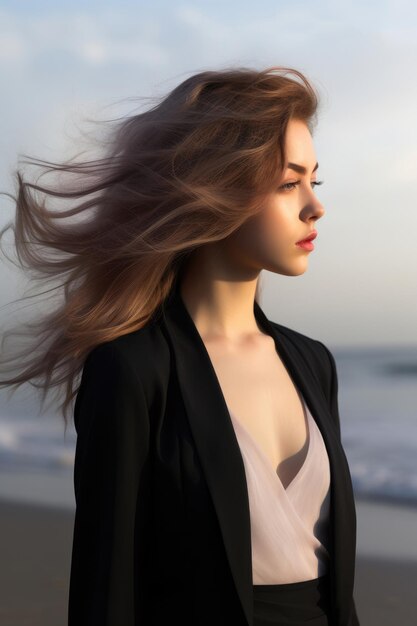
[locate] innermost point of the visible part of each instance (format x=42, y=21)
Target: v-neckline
x=265, y=324
x=263, y=456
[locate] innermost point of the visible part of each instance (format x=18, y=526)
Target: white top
x=289, y=526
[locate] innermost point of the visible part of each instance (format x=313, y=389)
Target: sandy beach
x=36, y=552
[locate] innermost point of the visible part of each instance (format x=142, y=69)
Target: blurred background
x=61, y=63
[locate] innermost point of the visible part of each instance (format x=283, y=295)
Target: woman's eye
x=289, y=186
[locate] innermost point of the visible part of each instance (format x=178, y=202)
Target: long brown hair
x=186, y=172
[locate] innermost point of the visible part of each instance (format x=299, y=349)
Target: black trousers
x=299, y=604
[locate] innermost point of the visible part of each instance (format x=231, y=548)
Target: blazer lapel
x=222, y=462
x=342, y=502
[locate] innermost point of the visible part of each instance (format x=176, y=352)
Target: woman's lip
x=309, y=237
x=306, y=244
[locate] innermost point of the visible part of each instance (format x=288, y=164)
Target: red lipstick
x=306, y=243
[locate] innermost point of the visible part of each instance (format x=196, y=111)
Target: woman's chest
x=261, y=395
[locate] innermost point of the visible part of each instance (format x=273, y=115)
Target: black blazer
x=162, y=523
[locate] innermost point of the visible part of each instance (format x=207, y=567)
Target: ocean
x=378, y=413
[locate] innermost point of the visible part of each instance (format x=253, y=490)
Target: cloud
x=12, y=48
x=86, y=37
x=362, y=58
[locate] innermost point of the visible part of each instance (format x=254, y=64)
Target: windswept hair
x=185, y=173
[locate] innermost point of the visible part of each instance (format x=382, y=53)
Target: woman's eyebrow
x=300, y=168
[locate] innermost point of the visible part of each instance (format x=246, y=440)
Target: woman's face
x=268, y=240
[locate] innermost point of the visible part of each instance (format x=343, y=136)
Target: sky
x=63, y=62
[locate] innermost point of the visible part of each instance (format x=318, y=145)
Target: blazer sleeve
x=112, y=424
x=332, y=394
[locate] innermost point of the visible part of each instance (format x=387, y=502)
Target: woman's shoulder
x=300, y=338
x=140, y=355
x=137, y=346
x=314, y=350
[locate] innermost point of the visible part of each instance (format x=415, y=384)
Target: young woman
x=210, y=479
